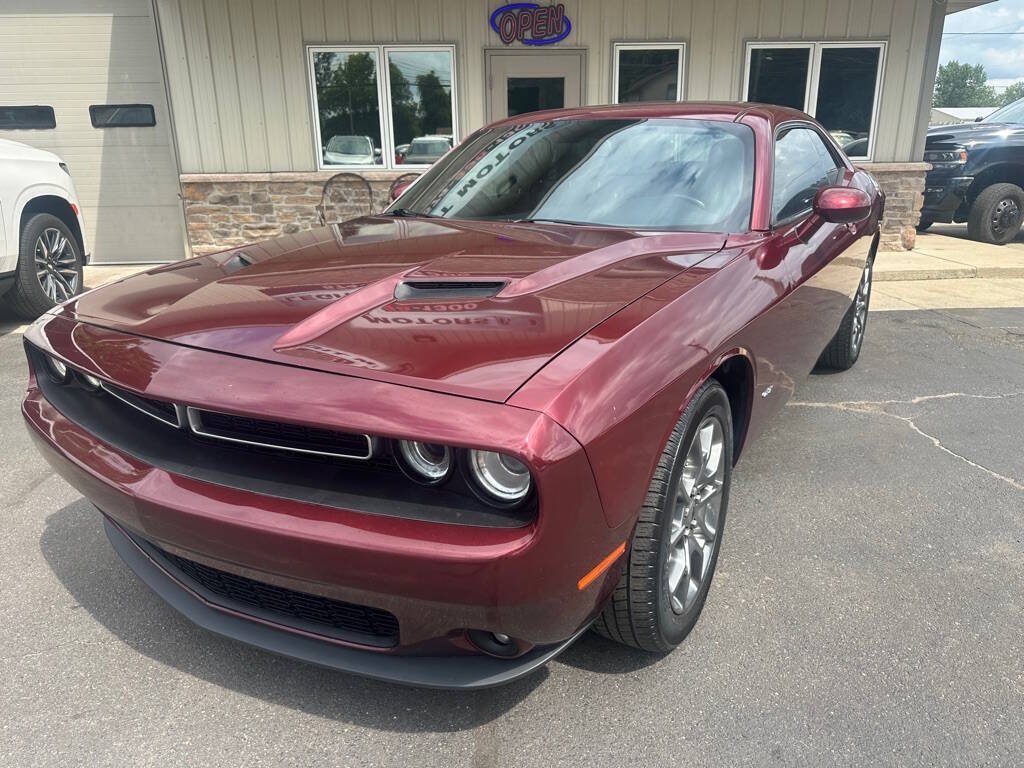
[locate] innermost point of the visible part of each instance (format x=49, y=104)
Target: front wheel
x=679, y=533
x=844, y=349
x=996, y=214
x=49, y=267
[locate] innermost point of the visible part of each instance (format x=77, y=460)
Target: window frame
x=664, y=45
x=387, y=140
x=816, y=47
x=841, y=164
x=92, y=116
x=48, y=127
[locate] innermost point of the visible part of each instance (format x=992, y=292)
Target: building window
x=836, y=83
x=382, y=106
x=23, y=118
x=647, y=72
x=122, y=115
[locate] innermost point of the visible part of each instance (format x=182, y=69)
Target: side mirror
x=977, y=119
x=398, y=189
x=842, y=205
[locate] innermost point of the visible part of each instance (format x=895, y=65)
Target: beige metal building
x=258, y=102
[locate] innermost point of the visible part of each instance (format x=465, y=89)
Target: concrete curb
x=896, y=270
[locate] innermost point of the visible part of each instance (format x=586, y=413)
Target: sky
x=1001, y=53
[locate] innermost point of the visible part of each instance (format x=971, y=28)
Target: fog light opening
x=494, y=643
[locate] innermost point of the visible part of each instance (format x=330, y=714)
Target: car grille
x=372, y=626
x=281, y=435
x=158, y=409
x=314, y=465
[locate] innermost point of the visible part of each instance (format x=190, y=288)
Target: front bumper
x=944, y=194
x=465, y=671
x=439, y=580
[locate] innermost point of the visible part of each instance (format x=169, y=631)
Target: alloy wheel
x=1005, y=216
x=695, y=518
x=860, y=309
x=56, y=265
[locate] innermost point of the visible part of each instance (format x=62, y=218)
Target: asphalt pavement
x=868, y=609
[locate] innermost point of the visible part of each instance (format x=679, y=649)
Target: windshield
x=1011, y=113
x=429, y=147
x=350, y=145
x=694, y=175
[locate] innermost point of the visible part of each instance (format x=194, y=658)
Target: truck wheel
x=996, y=214
x=49, y=267
x=677, y=539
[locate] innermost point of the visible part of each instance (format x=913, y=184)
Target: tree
x=963, y=85
x=1012, y=93
x=435, y=103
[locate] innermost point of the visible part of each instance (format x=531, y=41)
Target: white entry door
x=519, y=83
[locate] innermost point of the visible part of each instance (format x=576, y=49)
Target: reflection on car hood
x=971, y=132
x=325, y=298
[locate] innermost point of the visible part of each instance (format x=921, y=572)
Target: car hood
x=481, y=306
x=942, y=135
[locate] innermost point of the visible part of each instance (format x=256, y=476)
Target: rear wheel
x=996, y=214
x=844, y=349
x=49, y=267
x=678, y=536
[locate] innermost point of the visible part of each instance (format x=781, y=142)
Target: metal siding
x=225, y=83
x=265, y=52
x=126, y=178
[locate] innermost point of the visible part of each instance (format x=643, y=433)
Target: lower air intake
x=346, y=621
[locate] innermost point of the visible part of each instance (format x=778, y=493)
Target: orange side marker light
x=601, y=567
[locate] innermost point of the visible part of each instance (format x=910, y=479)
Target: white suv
x=42, y=245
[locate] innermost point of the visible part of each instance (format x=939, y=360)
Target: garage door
x=54, y=54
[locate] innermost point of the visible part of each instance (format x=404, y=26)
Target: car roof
x=695, y=110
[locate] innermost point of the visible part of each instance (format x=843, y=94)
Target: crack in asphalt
x=877, y=407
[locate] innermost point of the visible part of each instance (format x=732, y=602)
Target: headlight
x=58, y=371
x=89, y=381
x=428, y=463
x=500, y=477
x=946, y=157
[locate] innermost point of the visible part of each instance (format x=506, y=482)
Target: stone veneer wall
x=226, y=210
x=903, y=184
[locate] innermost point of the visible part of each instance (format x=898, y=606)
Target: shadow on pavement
x=80, y=556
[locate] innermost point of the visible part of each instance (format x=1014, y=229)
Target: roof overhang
x=955, y=6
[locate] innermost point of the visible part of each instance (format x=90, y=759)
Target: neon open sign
x=531, y=24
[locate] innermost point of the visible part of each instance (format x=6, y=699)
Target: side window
x=803, y=165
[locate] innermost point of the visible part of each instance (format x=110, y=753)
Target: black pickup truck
x=977, y=175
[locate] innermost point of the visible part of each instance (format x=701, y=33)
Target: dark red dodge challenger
x=436, y=445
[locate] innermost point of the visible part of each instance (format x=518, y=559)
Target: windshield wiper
x=543, y=220
x=409, y=212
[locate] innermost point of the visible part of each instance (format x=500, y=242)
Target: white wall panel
x=238, y=71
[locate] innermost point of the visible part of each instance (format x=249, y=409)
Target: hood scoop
x=438, y=290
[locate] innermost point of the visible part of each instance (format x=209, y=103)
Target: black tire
x=27, y=297
x=924, y=224
x=996, y=214
x=640, y=612
x=844, y=348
